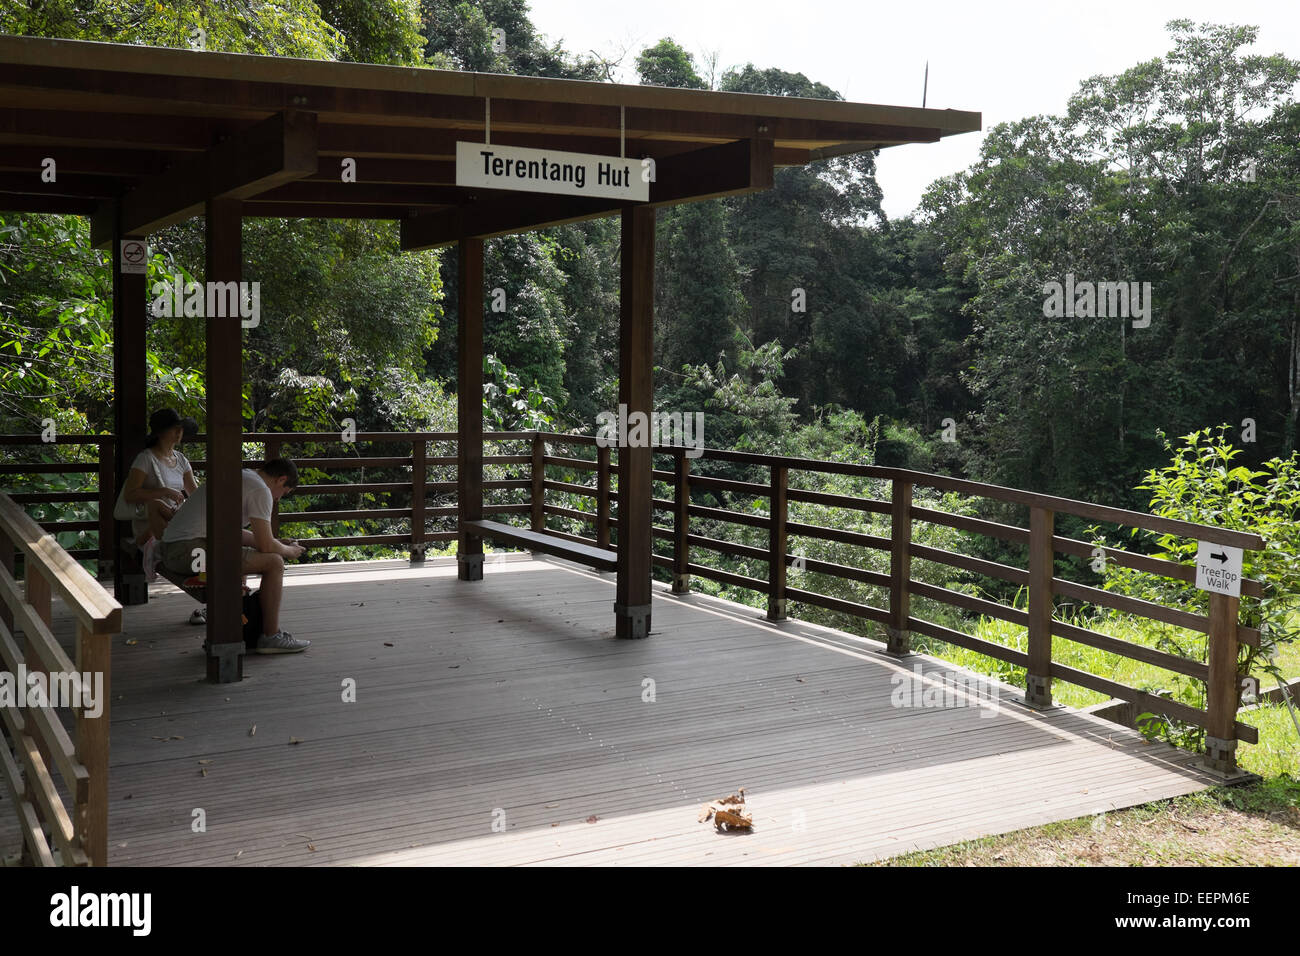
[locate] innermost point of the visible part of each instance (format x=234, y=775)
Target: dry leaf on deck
x=728, y=812
x=252, y=730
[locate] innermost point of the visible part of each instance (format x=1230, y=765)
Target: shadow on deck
x=493, y=720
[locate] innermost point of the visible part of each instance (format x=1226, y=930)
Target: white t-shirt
x=159, y=474
x=191, y=520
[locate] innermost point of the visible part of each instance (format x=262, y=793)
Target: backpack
x=252, y=619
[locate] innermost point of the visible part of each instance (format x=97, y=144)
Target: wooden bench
x=546, y=543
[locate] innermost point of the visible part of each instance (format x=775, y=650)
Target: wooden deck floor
x=494, y=720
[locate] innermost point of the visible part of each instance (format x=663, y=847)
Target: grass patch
x=1252, y=825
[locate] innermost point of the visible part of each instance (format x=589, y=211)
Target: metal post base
x=632, y=621
x=776, y=610
x=225, y=662
x=1220, y=756
x=469, y=567
x=898, y=641
x=134, y=589
x=417, y=557
x=681, y=584
x=1038, y=691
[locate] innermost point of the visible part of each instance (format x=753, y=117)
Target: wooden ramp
x=493, y=720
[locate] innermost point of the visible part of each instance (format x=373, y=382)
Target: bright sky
x=1007, y=59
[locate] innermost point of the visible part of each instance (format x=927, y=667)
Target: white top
x=191, y=520
x=159, y=474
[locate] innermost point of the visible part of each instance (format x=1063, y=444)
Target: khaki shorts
x=178, y=556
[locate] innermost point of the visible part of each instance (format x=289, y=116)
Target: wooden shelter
x=143, y=137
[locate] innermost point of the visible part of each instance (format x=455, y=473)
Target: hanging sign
x=550, y=171
x=133, y=256
x=1218, y=569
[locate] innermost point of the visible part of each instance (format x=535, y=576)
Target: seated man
x=263, y=554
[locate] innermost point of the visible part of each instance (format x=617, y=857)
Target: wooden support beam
x=469, y=407
x=681, y=523
x=1038, y=679
x=275, y=151
x=64, y=205
x=75, y=185
x=1223, y=689
x=636, y=392
x=899, y=639
x=94, y=656
x=225, y=451
x=127, y=163
x=728, y=169
x=358, y=194
x=300, y=210
x=778, y=542
x=130, y=414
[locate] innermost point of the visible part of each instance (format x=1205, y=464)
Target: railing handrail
x=94, y=608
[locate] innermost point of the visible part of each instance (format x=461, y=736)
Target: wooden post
x=107, y=500
x=38, y=595
x=224, y=557
x=1038, y=681
x=899, y=636
x=635, y=392
x=681, y=523
x=419, y=496
x=130, y=415
x=469, y=407
x=602, y=497
x=778, y=509
x=1223, y=688
x=273, y=447
x=93, y=657
x=8, y=560
x=539, y=486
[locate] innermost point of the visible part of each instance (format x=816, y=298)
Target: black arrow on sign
x=1221, y=558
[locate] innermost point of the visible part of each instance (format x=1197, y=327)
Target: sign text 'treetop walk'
x=550, y=171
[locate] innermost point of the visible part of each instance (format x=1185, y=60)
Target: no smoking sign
x=133, y=256
x=1218, y=569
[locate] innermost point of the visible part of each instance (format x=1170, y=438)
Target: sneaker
x=281, y=642
x=200, y=616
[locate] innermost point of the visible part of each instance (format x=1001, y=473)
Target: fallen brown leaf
x=593, y=818
x=252, y=730
x=295, y=740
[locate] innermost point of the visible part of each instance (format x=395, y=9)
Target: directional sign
x=133, y=256
x=550, y=171
x=1218, y=569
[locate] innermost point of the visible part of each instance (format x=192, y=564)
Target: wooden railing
x=417, y=502
x=37, y=744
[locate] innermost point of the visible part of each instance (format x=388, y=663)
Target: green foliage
x=377, y=31
x=667, y=64
x=751, y=412
x=56, y=328
x=1143, y=178
x=284, y=28
x=510, y=406
x=460, y=35
x=1201, y=484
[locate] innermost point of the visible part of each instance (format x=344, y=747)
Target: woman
x=160, y=479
